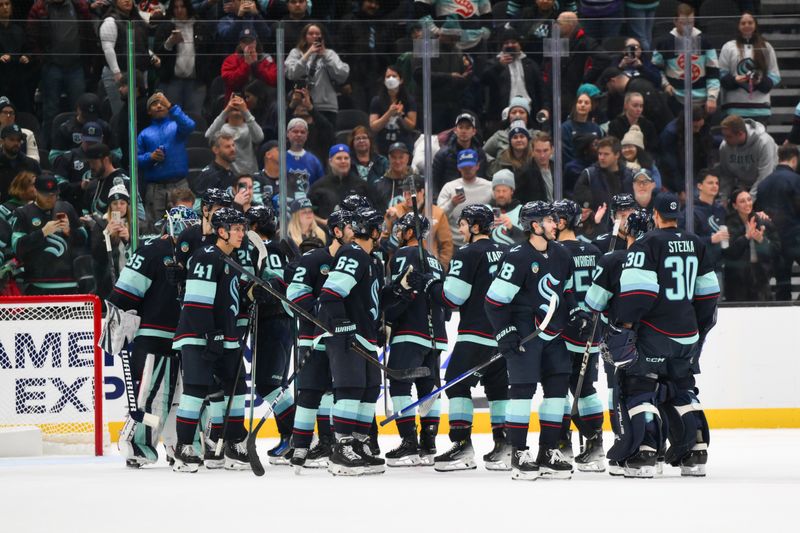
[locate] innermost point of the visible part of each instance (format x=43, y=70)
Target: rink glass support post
x=134, y=232
x=283, y=213
x=556, y=49
x=427, y=48
x=687, y=48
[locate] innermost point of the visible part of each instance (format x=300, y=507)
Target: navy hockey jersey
x=143, y=287
x=472, y=270
x=305, y=287
x=669, y=286
x=584, y=260
x=602, y=295
x=520, y=292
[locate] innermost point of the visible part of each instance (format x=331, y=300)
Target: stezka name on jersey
x=681, y=246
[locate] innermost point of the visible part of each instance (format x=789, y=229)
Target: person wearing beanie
x=512, y=75
x=115, y=222
x=637, y=158
x=518, y=158
x=341, y=181
x=162, y=157
x=517, y=111
x=506, y=209
x=302, y=167
x=632, y=115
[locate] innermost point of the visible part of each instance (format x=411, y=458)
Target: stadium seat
x=347, y=119
x=199, y=157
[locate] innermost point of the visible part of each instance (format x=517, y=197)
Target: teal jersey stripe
x=476, y=339
x=706, y=284
x=552, y=410
x=638, y=279
x=366, y=412
x=151, y=332
x=591, y=405
x=54, y=285
x=366, y=344
x=188, y=341
x=347, y=409
x=461, y=409
x=518, y=411
x=686, y=341
x=502, y=291
x=579, y=348
x=456, y=290
x=134, y=282
x=401, y=402
x=340, y=282
x=15, y=237
x=296, y=290
x=200, y=291
x=597, y=297
x=497, y=411
x=304, y=418
x=397, y=339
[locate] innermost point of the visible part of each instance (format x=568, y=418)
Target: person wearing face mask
x=392, y=112
x=511, y=75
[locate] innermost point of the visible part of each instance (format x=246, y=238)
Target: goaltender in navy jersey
x=352, y=290
x=472, y=270
x=211, y=300
x=525, y=281
x=305, y=287
x=669, y=287
x=584, y=260
x=143, y=276
x=410, y=318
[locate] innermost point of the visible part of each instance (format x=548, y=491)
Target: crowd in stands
x=205, y=111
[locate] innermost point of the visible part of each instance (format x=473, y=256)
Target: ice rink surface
x=753, y=484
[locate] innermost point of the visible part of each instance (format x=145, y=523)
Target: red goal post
x=51, y=370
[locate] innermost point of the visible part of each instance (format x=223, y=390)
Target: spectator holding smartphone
x=463, y=191
x=320, y=67
x=237, y=120
x=247, y=63
x=50, y=236
x=110, y=239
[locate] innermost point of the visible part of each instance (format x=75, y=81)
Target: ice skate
x=319, y=454
x=236, y=456
x=186, y=459
x=553, y=464
x=407, y=454
x=461, y=456
x=281, y=453
x=592, y=457
x=499, y=458
x=523, y=466
x=693, y=464
x=345, y=461
x=642, y=464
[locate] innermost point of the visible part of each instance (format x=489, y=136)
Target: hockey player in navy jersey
x=471, y=272
x=417, y=337
x=516, y=302
x=142, y=288
x=602, y=297
x=590, y=407
x=349, y=304
x=198, y=235
x=668, y=298
x=273, y=342
x=314, y=399
x=209, y=342
x=621, y=206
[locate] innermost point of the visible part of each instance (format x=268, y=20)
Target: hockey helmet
x=621, y=202
x=534, y=212
x=408, y=221
x=213, y=197
x=178, y=219
x=263, y=216
x=225, y=217
x=365, y=221
x=569, y=211
x=354, y=202
x=480, y=214
x=639, y=222
x=338, y=219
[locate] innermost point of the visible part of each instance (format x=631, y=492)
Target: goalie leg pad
x=688, y=427
x=638, y=419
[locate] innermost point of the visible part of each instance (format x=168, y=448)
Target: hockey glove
x=619, y=347
x=581, y=321
x=344, y=328
x=175, y=274
x=262, y=295
x=214, y=347
x=508, y=341
x=420, y=282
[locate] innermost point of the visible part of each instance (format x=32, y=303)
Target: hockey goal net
x=51, y=371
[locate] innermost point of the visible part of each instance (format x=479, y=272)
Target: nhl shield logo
x=36, y=221
x=324, y=269
x=77, y=164
x=535, y=267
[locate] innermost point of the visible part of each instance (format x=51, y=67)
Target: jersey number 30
x=684, y=272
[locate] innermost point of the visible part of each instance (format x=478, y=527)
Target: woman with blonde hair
x=304, y=233
x=111, y=239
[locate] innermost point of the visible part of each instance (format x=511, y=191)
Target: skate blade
x=645, y=472
x=185, y=468
x=374, y=470
x=409, y=460
x=616, y=471
x=338, y=470
x=427, y=460
x=236, y=465
x=455, y=466
x=212, y=464
x=498, y=466
x=279, y=461
x=546, y=473
x=660, y=468
x=594, y=466
x=519, y=475
x=316, y=463
x=693, y=471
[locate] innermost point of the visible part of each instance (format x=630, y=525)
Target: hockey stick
x=429, y=398
x=595, y=320
x=408, y=374
x=254, y=238
x=135, y=415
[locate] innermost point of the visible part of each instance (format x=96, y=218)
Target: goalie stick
x=135, y=415
x=426, y=402
x=408, y=374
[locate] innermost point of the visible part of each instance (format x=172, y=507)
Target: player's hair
x=684, y=10
x=541, y=137
x=787, y=151
x=703, y=173
x=183, y=194
x=610, y=142
x=222, y=135
x=734, y=123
